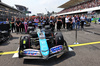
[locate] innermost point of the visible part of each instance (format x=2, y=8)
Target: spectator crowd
x=84, y=5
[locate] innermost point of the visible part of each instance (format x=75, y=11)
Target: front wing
x=36, y=54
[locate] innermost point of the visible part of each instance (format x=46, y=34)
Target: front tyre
x=19, y=53
x=65, y=45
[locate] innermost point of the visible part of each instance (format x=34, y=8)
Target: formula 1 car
x=4, y=31
x=32, y=27
x=42, y=44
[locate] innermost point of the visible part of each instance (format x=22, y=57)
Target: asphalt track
x=87, y=53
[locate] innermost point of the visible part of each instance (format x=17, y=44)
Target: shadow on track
x=6, y=42
x=51, y=61
x=14, y=38
x=88, y=28
x=65, y=30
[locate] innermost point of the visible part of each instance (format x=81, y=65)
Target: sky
x=37, y=6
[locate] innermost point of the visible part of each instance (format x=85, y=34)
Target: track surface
x=88, y=55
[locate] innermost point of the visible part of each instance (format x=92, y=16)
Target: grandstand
x=80, y=6
x=7, y=11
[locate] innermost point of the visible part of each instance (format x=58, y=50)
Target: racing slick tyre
x=50, y=36
x=59, y=38
x=20, y=48
x=19, y=53
x=50, y=42
x=65, y=45
x=24, y=44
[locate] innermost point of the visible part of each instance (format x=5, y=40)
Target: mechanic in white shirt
x=82, y=21
x=73, y=20
x=67, y=22
x=7, y=21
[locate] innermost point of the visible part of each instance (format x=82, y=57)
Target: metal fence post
x=76, y=42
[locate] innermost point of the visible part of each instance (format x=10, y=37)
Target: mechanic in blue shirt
x=47, y=20
x=30, y=22
x=41, y=19
x=12, y=23
x=44, y=21
x=22, y=25
x=78, y=21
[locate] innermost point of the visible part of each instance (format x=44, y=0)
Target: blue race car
x=42, y=44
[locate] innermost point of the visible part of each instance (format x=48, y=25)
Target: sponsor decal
x=39, y=23
x=30, y=22
x=31, y=52
x=25, y=23
x=56, y=49
x=51, y=21
x=44, y=21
